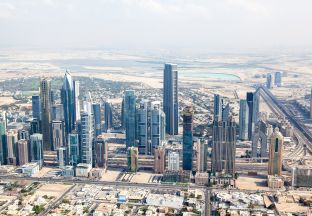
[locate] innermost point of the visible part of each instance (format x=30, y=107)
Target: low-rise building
x=68, y=171
x=302, y=176
x=275, y=182
x=83, y=169
x=30, y=169
x=201, y=178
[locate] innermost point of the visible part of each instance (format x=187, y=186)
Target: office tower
x=173, y=161
x=101, y=149
x=202, y=156
x=45, y=99
x=35, y=126
x=11, y=145
x=36, y=148
x=261, y=135
x=223, y=146
x=77, y=103
x=275, y=153
x=159, y=159
x=170, y=98
x=243, y=120
x=122, y=117
x=108, y=116
x=269, y=81
x=218, y=106
x=57, y=112
x=62, y=157
x=3, y=146
x=36, y=107
x=278, y=79
x=87, y=126
x=253, y=100
x=311, y=104
x=23, y=134
x=129, y=117
x=22, y=152
x=74, y=152
x=143, y=131
x=158, y=125
x=96, y=110
x=58, y=134
x=132, y=158
x=187, y=137
x=68, y=101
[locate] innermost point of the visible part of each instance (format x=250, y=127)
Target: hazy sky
x=207, y=25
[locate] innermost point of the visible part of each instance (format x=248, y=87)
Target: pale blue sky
x=206, y=25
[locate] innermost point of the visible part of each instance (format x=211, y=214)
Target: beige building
x=11, y=147
x=275, y=182
x=275, y=153
x=133, y=157
x=159, y=160
x=22, y=149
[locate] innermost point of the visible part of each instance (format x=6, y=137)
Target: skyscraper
x=269, y=81
x=187, y=137
x=129, y=117
x=23, y=134
x=58, y=135
x=311, y=105
x=74, y=152
x=45, y=99
x=11, y=145
x=202, y=156
x=36, y=107
x=143, y=127
x=132, y=158
x=87, y=137
x=108, y=116
x=158, y=125
x=68, y=101
x=101, y=149
x=243, y=120
x=170, y=98
x=96, y=110
x=252, y=99
x=62, y=156
x=275, y=153
x=57, y=112
x=173, y=161
x=278, y=79
x=3, y=146
x=223, y=146
x=36, y=147
x=159, y=159
x=22, y=149
x=76, y=98
x=218, y=106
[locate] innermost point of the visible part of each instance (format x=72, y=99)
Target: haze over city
x=155, y=107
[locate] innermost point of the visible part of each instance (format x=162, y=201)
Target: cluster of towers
x=277, y=80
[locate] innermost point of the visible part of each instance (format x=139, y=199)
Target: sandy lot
x=54, y=190
x=141, y=177
x=110, y=175
x=245, y=182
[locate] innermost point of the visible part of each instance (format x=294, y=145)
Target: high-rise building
x=68, y=101
x=36, y=107
x=57, y=112
x=3, y=146
x=278, y=79
x=221, y=109
x=96, y=110
x=243, y=120
x=252, y=99
x=74, y=150
x=158, y=125
x=311, y=104
x=173, y=161
x=133, y=158
x=45, y=99
x=62, y=156
x=143, y=131
x=223, y=146
x=275, y=153
x=101, y=149
x=87, y=137
x=22, y=152
x=58, y=135
x=77, y=104
x=159, y=159
x=129, y=117
x=187, y=137
x=23, y=134
x=202, y=156
x=35, y=126
x=36, y=147
x=11, y=144
x=108, y=116
x=269, y=81
x=170, y=98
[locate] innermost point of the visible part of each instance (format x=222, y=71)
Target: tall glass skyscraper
x=3, y=146
x=187, y=137
x=129, y=116
x=36, y=107
x=45, y=99
x=87, y=136
x=68, y=101
x=58, y=135
x=158, y=125
x=96, y=110
x=108, y=116
x=253, y=108
x=74, y=152
x=36, y=147
x=170, y=98
x=243, y=120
